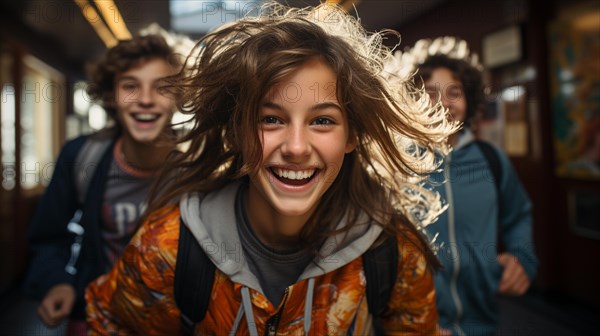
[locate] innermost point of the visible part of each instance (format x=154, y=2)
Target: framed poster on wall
x=502, y=47
x=574, y=41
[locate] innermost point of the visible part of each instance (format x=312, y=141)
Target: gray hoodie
x=212, y=220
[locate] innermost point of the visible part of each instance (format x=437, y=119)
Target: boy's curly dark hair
x=470, y=77
x=122, y=57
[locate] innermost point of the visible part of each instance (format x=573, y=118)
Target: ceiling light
x=92, y=16
x=113, y=18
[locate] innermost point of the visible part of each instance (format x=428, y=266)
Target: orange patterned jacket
x=136, y=297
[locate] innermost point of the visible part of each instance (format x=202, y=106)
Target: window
x=199, y=17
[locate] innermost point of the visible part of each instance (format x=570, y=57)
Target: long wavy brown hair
x=237, y=65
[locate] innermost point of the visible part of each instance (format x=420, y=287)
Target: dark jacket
x=50, y=242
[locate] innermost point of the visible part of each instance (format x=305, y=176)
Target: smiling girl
x=304, y=155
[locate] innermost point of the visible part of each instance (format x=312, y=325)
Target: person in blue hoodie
x=484, y=213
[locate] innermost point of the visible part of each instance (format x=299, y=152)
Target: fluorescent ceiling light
x=113, y=19
x=92, y=16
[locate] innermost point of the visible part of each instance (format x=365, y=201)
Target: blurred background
x=543, y=110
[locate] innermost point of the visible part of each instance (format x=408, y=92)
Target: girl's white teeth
x=294, y=174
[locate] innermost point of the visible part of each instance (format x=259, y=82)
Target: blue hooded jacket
x=468, y=236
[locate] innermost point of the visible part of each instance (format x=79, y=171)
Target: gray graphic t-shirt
x=124, y=202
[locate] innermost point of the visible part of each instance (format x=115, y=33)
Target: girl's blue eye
x=323, y=121
x=270, y=120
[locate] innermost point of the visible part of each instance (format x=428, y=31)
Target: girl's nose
x=296, y=143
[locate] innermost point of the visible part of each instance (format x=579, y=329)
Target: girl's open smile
x=294, y=177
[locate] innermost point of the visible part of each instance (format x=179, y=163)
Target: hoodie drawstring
x=308, y=305
x=246, y=309
x=238, y=319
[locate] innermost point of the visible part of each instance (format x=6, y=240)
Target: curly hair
x=124, y=56
x=470, y=77
x=398, y=137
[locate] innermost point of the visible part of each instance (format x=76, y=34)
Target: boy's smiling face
x=143, y=110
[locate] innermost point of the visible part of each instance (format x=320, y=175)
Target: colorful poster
x=575, y=93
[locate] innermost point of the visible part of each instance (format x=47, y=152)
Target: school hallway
x=542, y=104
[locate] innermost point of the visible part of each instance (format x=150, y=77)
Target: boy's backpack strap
x=493, y=160
x=87, y=161
x=92, y=162
x=380, y=265
x=194, y=276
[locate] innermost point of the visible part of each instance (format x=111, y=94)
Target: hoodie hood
x=464, y=138
x=212, y=220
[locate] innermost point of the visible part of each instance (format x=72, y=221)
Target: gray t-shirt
x=123, y=204
x=276, y=269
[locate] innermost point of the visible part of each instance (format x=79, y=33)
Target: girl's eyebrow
x=326, y=105
x=272, y=105
x=316, y=107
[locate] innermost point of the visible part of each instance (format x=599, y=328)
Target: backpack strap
x=91, y=164
x=194, y=277
x=380, y=265
x=86, y=162
x=493, y=160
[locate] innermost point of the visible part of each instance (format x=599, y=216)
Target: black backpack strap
x=194, y=277
x=380, y=265
x=85, y=221
x=87, y=161
x=493, y=160
x=87, y=246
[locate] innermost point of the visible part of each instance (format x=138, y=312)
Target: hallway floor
x=533, y=315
